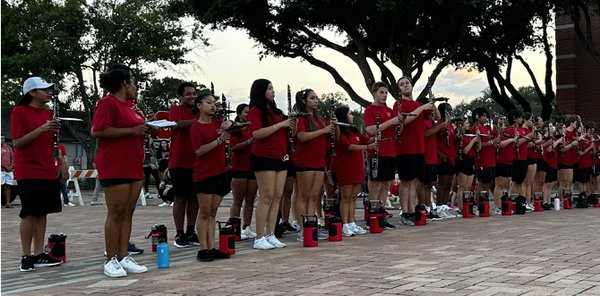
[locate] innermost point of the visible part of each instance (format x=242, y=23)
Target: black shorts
x=519, y=171
x=466, y=166
x=243, y=175
x=596, y=170
x=504, y=170
x=386, y=169
x=305, y=169
x=430, y=175
x=582, y=175
x=182, y=182
x=291, y=172
x=446, y=169
x=531, y=161
x=542, y=166
x=562, y=166
x=39, y=197
x=486, y=175
x=551, y=175
x=410, y=166
x=163, y=164
x=117, y=181
x=259, y=163
x=218, y=185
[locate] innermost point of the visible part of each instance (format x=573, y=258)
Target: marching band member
x=465, y=162
x=32, y=129
x=520, y=151
x=267, y=160
x=485, y=160
x=243, y=181
x=348, y=168
x=212, y=179
x=567, y=155
x=446, y=152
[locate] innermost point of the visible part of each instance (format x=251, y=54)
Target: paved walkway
x=549, y=253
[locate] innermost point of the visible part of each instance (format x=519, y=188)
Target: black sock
x=245, y=225
x=190, y=229
x=180, y=232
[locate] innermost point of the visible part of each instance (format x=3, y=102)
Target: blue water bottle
x=162, y=255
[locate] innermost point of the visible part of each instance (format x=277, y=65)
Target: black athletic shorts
x=551, y=175
x=504, y=170
x=582, y=175
x=219, y=184
x=542, y=166
x=182, y=182
x=486, y=175
x=531, y=161
x=430, y=174
x=519, y=171
x=39, y=197
x=259, y=164
x=410, y=166
x=243, y=175
x=117, y=181
x=446, y=169
x=304, y=169
x=386, y=169
x=466, y=166
x=564, y=167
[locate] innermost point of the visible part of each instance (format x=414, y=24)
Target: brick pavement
x=549, y=253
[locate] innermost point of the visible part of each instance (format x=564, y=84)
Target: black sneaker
x=43, y=260
x=193, y=239
x=216, y=254
x=133, y=250
x=204, y=256
x=279, y=230
x=27, y=263
x=433, y=217
x=387, y=224
x=289, y=228
x=181, y=241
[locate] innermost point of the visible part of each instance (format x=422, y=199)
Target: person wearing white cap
x=32, y=129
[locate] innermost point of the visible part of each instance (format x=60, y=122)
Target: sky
x=232, y=63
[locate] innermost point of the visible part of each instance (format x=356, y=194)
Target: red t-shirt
x=596, y=155
x=240, y=160
x=507, y=153
x=63, y=153
x=182, y=155
x=211, y=163
x=388, y=136
x=349, y=166
x=431, y=156
x=413, y=134
x=118, y=157
x=273, y=146
x=551, y=156
x=522, y=155
x=36, y=160
x=569, y=156
x=448, y=150
x=585, y=161
x=311, y=154
x=465, y=141
x=487, y=155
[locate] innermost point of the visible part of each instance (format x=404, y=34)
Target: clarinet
x=226, y=117
x=517, y=149
x=477, y=145
x=499, y=129
x=332, y=135
x=291, y=147
x=460, y=143
x=448, y=124
x=55, y=92
x=399, y=127
x=431, y=100
x=375, y=159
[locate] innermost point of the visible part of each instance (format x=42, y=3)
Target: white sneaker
x=321, y=222
x=129, y=265
x=357, y=229
x=275, y=242
x=172, y=204
x=497, y=211
x=262, y=244
x=112, y=268
x=164, y=204
x=300, y=237
x=95, y=203
x=346, y=230
x=295, y=224
x=248, y=233
x=322, y=234
x=529, y=207
x=70, y=204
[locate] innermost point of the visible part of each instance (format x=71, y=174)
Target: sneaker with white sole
x=262, y=244
x=69, y=204
x=275, y=242
x=164, y=204
x=497, y=211
x=346, y=230
x=300, y=237
x=323, y=234
x=357, y=229
x=321, y=222
x=248, y=233
x=113, y=268
x=130, y=266
x=295, y=224
x=95, y=203
x=43, y=260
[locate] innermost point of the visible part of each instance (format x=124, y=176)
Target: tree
x=581, y=12
x=374, y=35
x=161, y=94
x=338, y=99
x=71, y=40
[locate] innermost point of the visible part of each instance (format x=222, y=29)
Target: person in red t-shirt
x=212, y=178
x=312, y=133
x=181, y=162
x=446, y=152
x=120, y=131
x=465, y=161
x=532, y=156
x=540, y=168
x=485, y=154
x=32, y=130
x=243, y=181
x=62, y=164
x=505, y=155
x=379, y=185
x=519, y=163
x=347, y=168
x=268, y=159
x=566, y=156
x=8, y=178
x=410, y=152
x=582, y=176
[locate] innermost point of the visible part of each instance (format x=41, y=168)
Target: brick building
x=577, y=74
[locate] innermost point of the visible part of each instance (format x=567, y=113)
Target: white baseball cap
x=33, y=83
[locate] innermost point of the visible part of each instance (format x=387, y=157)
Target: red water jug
x=538, y=200
x=484, y=204
x=467, y=210
x=311, y=226
x=335, y=229
x=158, y=234
x=567, y=200
x=420, y=215
x=375, y=216
x=506, y=204
x=236, y=224
x=57, y=247
x=226, y=238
